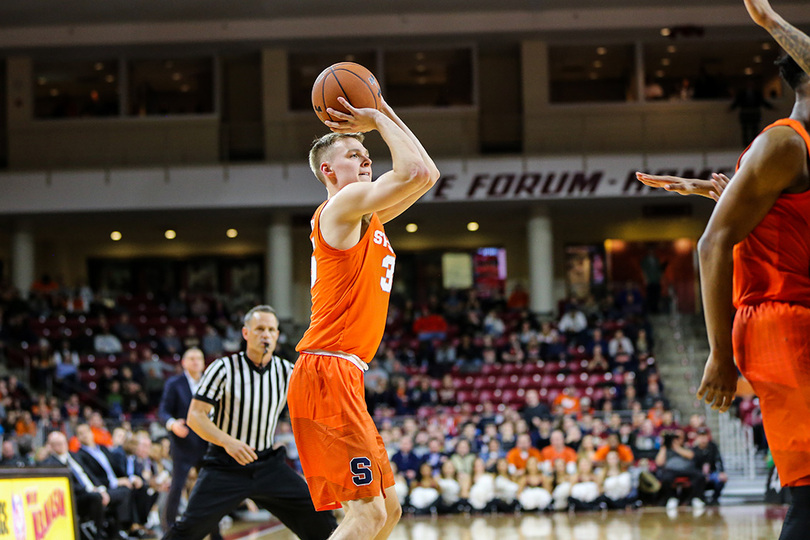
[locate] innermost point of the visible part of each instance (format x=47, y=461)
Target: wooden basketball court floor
x=745, y=522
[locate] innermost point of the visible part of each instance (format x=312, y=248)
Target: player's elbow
x=419, y=175
x=711, y=242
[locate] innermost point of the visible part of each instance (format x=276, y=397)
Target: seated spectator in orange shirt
x=557, y=450
x=520, y=454
x=101, y=436
x=613, y=444
x=567, y=402
x=25, y=425
x=429, y=326
x=100, y=433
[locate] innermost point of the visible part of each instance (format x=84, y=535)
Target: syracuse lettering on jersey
x=381, y=240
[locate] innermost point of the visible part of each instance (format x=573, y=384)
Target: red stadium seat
x=531, y=368
x=509, y=369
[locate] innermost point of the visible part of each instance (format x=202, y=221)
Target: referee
x=247, y=392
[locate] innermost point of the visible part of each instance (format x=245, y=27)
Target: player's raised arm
x=795, y=42
x=388, y=214
x=687, y=186
x=410, y=174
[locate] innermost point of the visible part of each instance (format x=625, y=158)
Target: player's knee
x=376, y=515
x=394, y=512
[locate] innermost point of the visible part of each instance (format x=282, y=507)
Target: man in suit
x=138, y=463
x=97, y=462
x=188, y=448
x=91, y=500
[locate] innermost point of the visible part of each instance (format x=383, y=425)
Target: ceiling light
x=749, y=71
x=671, y=49
x=349, y=58
x=601, y=50
x=666, y=32
x=115, y=236
x=597, y=64
x=231, y=233
x=54, y=92
x=176, y=76
x=41, y=81
x=109, y=78
x=472, y=226
x=659, y=73
x=593, y=76
x=411, y=227
x=665, y=61
x=185, y=88
x=99, y=66
x=766, y=46
x=170, y=234
x=757, y=59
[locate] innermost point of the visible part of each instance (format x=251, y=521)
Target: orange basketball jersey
x=350, y=291
x=773, y=262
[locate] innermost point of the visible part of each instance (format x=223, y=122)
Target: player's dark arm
x=795, y=42
x=773, y=164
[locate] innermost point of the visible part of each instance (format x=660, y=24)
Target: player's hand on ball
x=241, y=452
x=356, y=121
x=719, y=384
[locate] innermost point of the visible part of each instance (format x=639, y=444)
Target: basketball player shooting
x=342, y=454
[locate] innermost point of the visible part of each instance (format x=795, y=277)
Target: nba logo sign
x=18, y=517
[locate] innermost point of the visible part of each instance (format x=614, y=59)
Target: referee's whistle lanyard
x=353, y=358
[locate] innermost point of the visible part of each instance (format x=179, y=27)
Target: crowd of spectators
x=483, y=405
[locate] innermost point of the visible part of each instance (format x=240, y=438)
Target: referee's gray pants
x=223, y=484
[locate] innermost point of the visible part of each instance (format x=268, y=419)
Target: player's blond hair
x=320, y=147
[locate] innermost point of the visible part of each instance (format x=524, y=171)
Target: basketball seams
x=345, y=87
x=323, y=96
x=365, y=82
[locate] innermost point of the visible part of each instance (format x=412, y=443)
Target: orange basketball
x=348, y=80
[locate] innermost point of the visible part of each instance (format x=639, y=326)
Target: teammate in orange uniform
x=342, y=454
x=755, y=257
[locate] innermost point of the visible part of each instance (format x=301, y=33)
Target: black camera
x=668, y=438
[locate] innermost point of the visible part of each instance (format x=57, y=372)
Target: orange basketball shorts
x=772, y=350
x=341, y=451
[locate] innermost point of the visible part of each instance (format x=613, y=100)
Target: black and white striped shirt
x=247, y=399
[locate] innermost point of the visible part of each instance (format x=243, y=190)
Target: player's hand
x=760, y=11
x=241, y=452
x=180, y=428
x=105, y=498
x=719, y=384
x=719, y=183
x=137, y=483
x=355, y=121
x=707, y=188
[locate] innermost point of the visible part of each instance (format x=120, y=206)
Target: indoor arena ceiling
x=18, y=13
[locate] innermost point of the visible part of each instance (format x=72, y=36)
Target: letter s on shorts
x=361, y=471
